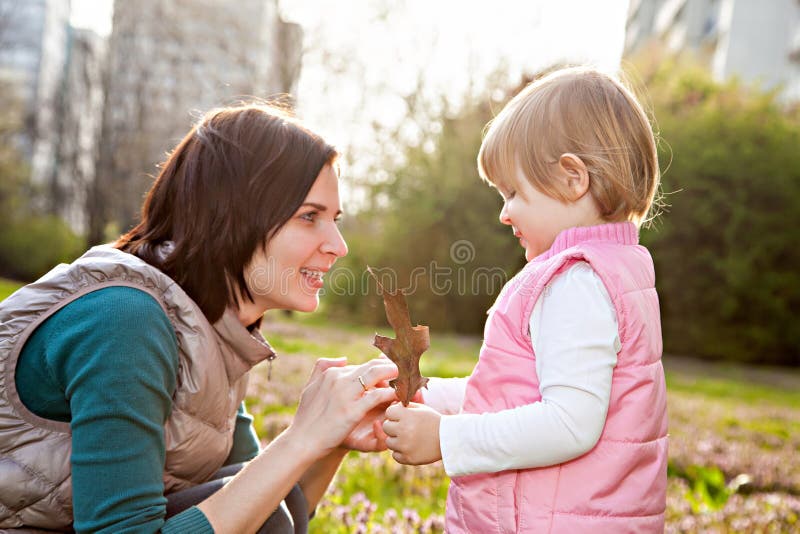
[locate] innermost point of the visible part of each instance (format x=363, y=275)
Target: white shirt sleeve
x=445, y=395
x=576, y=340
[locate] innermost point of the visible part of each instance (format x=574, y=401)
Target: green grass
x=781, y=429
x=7, y=287
x=287, y=345
x=726, y=419
x=449, y=354
x=727, y=388
x=389, y=485
x=456, y=355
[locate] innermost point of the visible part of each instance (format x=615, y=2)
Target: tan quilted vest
x=35, y=481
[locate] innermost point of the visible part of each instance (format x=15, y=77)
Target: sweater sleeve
x=574, y=333
x=114, y=355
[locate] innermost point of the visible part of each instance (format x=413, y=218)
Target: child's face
x=537, y=218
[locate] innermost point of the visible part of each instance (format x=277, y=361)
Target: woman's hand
x=413, y=433
x=334, y=404
x=368, y=435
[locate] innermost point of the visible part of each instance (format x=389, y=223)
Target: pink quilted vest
x=620, y=485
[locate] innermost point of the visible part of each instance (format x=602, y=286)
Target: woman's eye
x=310, y=216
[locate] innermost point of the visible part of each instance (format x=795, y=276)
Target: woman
x=122, y=375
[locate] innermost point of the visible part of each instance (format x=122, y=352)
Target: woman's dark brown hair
x=235, y=179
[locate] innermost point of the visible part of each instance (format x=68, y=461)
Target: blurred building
x=33, y=57
x=54, y=73
x=80, y=112
x=170, y=60
x=100, y=113
x=754, y=40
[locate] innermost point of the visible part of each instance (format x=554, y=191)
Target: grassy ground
x=734, y=438
x=7, y=287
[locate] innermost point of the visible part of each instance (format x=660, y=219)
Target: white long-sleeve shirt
x=575, y=337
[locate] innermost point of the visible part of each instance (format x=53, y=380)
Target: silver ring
x=361, y=381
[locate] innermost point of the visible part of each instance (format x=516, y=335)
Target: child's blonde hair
x=590, y=114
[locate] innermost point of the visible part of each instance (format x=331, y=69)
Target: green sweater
x=107, y=364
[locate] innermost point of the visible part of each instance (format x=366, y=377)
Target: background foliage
x=725, y=249
x=724, y=246
x=432, y=202
x=30, y=242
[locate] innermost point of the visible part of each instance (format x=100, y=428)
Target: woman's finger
x=374, y=362
x=376, y=397
x=377, y=428
x=322, y=364
x=377, y=373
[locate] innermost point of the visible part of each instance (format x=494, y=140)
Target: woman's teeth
x=311, y=273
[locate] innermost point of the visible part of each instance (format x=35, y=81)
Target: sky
x=93, y=14
x=361, y=57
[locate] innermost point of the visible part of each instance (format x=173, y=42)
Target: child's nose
x=504, y=218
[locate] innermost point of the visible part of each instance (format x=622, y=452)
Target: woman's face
x=289, y=273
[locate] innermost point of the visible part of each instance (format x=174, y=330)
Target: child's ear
x=575, y=174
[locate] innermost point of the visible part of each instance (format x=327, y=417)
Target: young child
x=562, y=426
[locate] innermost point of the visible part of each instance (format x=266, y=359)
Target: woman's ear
x=575, y=175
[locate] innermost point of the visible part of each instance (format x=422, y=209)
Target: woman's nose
x=334, y=243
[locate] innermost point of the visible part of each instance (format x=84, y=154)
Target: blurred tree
x=727, y=262
x=431, y=229
x=30, y=242
x=168, y=62
x=13, y=170
x=725, y=247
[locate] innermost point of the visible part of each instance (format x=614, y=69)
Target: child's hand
x=413, y=433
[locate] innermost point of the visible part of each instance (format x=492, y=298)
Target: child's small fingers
x=392, y=443
x=391, y=428
x=394, y=411
x=400, y=458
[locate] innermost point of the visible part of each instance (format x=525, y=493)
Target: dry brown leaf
x=406, y=349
